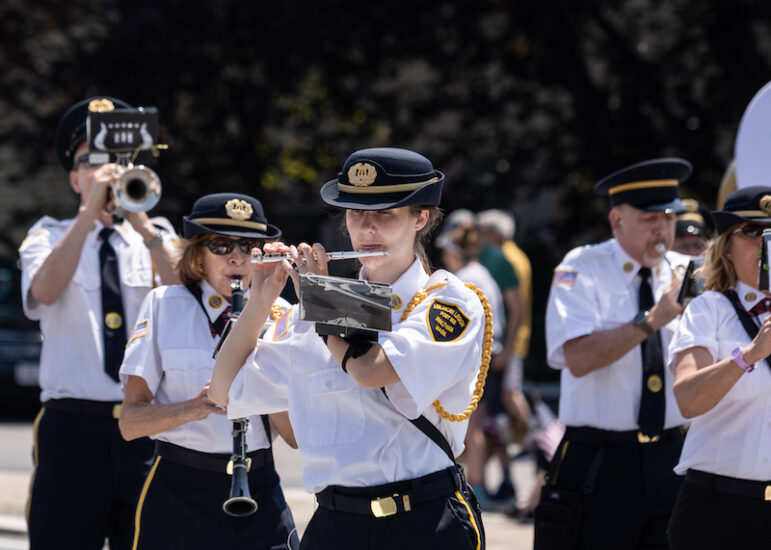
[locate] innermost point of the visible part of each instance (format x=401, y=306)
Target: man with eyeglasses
x=84, y=279
x=612, y=311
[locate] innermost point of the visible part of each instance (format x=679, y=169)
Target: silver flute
x=340, y=255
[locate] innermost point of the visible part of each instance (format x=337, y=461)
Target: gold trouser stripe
x=642, y=185
x=750, y=213
x=471, y=517
x=142, y=495
x=228, y=221
x=562, y=457
x=375, y=189
x=35, y=445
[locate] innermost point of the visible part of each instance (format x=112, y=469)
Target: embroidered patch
x=215, y=301
x=446, y=321
x=282, y=325
x=396, y=302
x=564, y=277
x=628, y=267
x=139, y=330
x=750, y=297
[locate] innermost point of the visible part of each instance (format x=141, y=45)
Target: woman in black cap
x=723, y=382
x=379, y=481
x=166, y=371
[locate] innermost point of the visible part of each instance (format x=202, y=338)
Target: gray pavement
x=503, y=533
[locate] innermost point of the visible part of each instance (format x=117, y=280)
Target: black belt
x=110, y=409
x=597, y=436
x=757, y=490
x=212, y=462
x=391, y=498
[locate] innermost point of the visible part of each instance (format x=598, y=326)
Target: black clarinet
x=240, y=503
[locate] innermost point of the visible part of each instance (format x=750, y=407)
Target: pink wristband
x=737, y=356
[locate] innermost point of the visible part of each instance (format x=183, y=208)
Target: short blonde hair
x=718, y=270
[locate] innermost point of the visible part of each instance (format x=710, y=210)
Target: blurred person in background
x=693, y=229
x=719, y=356
x=84, y=279
x=460, y=244
x=166, y=371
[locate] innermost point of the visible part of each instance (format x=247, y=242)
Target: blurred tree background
x=523, y=105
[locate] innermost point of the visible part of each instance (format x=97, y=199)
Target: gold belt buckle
x=116, y=410
x=767, y=496
x=642, y=438
x=383, y=507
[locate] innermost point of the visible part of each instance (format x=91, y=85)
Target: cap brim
x=191, y=228
x=675, y=205
x=428, y=194
x=723, y=220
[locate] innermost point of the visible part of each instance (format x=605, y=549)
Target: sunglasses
x=752, y=231
x=223, y=247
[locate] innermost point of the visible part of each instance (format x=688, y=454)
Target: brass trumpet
x=339, y=255
x=138, y=189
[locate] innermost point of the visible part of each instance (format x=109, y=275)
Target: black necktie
x=219, y=323
x=113, y=326
x=653, y=404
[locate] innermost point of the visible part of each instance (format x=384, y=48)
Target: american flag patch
x=281, y=326
x=564, y=277
x=139, y=330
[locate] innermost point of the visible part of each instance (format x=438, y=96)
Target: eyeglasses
x=223, y=247
x=752, y=231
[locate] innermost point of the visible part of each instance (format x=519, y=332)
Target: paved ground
x=503, y=533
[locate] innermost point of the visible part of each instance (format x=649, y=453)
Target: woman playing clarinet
x=166, y=371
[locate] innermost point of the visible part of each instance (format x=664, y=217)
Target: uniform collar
x=405, y=286
x=120, y=229
x=749, y=296
x=213, y=302
x=628, y=267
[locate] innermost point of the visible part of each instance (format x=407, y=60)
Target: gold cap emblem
x=362, y=174
x=100, y=106
x=765, y=204
x=113, y=320
x=238, y=209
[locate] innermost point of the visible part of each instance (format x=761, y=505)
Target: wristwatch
x=641, y=321
x=737, y=356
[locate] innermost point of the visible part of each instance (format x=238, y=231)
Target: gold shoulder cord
x=486, y=351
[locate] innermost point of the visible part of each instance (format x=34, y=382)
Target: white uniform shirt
x=596, y=288
x=72, y=358
x=350, y=435
x=734, y=437
x=478, y=275
x=171, y=348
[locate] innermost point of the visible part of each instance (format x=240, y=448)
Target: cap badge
x=100, y=106
x=765, y=204
x=362, y=174
x=238, y=209
x=628, y=267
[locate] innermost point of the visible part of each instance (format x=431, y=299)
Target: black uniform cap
x=746, y=204
x=382, y=178
x=651, y=185
x=229, y=214
x=72, y=126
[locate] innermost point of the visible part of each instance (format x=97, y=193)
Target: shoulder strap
x=424, y=425
x=745, y=318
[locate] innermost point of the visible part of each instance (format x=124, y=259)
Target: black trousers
x=707, y=519
x=632, y=497
x=86, y=482
x=181, y=507
x=446, y=523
